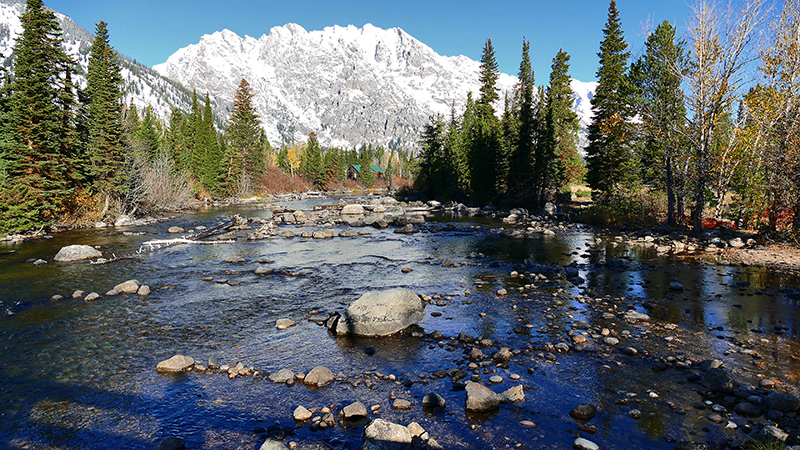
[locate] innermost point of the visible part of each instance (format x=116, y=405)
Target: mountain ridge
x=348, y=85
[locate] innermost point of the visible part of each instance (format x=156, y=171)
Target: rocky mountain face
x=348, y=85
x=143, y=86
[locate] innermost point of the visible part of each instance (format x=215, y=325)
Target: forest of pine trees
x=696, y=127
x=71, y=155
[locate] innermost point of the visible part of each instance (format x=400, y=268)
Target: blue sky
x=151, y=30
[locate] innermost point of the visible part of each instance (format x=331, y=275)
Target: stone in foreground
x=76, y=253
x=481, y=399
x=379, y=313
x=380, y=434
x=318, y=377
x=176, y=364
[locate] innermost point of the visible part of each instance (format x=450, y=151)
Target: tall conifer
x=103, y=97
x=610, y=162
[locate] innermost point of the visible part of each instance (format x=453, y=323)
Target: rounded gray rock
x=77, y=253
x=176, y=364
x=380, y=313
x=318, y=377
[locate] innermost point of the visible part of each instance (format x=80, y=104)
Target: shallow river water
x=81, y=375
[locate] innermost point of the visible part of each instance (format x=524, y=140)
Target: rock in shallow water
x=480, y=398
x=176, y=364
x=380, y=313
x=318, y=377
x=380, y=434
x=77, y=253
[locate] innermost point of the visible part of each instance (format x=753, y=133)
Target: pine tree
x=522, y=137
x=148, y=135
x=313, y=165
x=487, y=162
x=103, y=97
x=246, y=143
x=208, y=150
x=558, y=146
x=657, y=77
x=610, y=162
x=42, y=165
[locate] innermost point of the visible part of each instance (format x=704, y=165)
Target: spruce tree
x=246, y=143
x=44, y=155
x=523, y=137
x=209, y=151
x=487, y=162
x=313, y=165
x=558, y=145
x=610, y=162
x=659, y=102
x=103, y=98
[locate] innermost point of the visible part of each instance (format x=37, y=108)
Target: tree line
x=698, y=126
x=72, y=154
x=525, y=156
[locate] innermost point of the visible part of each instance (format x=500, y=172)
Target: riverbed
x=81, y=375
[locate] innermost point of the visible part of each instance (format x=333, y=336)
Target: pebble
x=496, y=379
x=283, y=324
x=401, y=404
x=584, y=444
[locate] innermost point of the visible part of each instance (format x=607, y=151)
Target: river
x=81, y=375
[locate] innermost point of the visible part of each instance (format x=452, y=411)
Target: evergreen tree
x=610, y=162
x=313, y=165
x=103, y=97
x=246, y=143
x=657, y=77
x=208, y=150
x=522, y=138
x=42, y=164
x=487, y=162
x=558, y=147
x=148, y=135
x=488, y=75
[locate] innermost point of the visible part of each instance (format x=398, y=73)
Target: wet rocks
x=584, y=444
x=176, y=364
x=318, y=377
x=381, y=434
x=301, y=414
x=635, y=316
x=433, y=402
x=352, y=210
x=380, y=313
x=171, y=443
x=583, y=413
x=719, y=380
x=284, y=324
x=480, y=399
x=128, y=287
x=354, y=411
x=175, y=230
x=273, y=444
x=92, y=296
x=782, y=402
x=282, y=376
x=513, y=395
x=76, y=253
x=401, y=404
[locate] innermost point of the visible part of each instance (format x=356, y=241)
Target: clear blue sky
x=151, y=30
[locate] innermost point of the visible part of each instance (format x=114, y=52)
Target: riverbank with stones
x=722, y=404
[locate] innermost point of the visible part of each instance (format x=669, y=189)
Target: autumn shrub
x=164, y=188
x=275, y=181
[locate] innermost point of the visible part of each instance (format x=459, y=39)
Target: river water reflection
x=82, y=375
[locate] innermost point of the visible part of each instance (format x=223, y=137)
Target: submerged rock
x=379, y=313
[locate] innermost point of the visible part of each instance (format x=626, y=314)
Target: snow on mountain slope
x=349, y=85
x=142, y=85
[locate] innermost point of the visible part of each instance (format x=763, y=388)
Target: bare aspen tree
x=721, y=40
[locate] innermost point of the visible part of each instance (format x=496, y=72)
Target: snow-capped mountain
x=348, y=85
x=142, y=85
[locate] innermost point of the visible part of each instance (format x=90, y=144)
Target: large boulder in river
x=380, y=313
x=381, y=434
x=77, y=253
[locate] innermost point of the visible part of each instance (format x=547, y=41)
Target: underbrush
x=642, y=208
x=277, y=182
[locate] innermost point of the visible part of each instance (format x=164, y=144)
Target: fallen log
x=157, y=244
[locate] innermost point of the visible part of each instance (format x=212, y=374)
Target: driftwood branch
x=157, y=244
